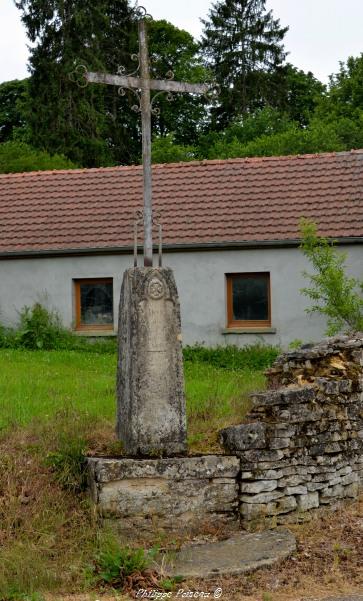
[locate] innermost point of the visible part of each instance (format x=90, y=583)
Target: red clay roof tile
x=236, y=200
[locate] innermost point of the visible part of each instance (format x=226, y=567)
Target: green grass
x=39, y=386
x=54, y=406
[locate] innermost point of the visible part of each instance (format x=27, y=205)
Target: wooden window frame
x=253, y=324
x=94, y=327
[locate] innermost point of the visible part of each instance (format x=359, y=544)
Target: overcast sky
x=322, y=32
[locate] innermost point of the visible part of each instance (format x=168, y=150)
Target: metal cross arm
x=140, y=83
x=162, y=85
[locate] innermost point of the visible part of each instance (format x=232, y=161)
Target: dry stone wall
x=302, y=444
x=299, y=448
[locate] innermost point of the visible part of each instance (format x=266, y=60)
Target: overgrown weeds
x=47, y=534
x=114, y=563
x=40, y=328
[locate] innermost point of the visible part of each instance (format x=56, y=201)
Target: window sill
x=94, y=333
x=249, y=331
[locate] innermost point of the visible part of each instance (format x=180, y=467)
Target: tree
x=96, y=126
x=17, y=157
x=174, y=50
x=334, y=294
x=242, y=44
x=345, y=94
x=63, y=118
x=13, y=95
x=299, y=94
x=165, y=150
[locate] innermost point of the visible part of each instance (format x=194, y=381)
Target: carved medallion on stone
x=156, y=289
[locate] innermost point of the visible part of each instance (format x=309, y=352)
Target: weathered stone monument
x=300, y=446
x=151, y=417
x=150, y=388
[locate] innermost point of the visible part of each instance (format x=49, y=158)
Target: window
x=94, y=304
x=248, y=300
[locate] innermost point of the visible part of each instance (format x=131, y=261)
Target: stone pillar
x=151, y=417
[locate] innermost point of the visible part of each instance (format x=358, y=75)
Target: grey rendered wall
x=200, y=277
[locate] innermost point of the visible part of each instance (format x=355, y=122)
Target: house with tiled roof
x=230, y=233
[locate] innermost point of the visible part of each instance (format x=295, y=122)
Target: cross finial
x=142, y=85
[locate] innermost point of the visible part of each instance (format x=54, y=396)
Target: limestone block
x=285, y=396
x=279, y=443
x=308, y=501
x=296, y=490
x=282, y=430
x=349, y=479
x=258, y=486
x=294, y=480
x=244, y=436
x=345, y=386
x=251, y=511
x=314, y=486
x=299, y=394
x=327, y=386
x=331, y=493
x=262, y=475
x=264, y=497
x=285, y=505
x=267, y=458
x=150, y=384
x=170, y=491
x=178, y=468
x=352, y=490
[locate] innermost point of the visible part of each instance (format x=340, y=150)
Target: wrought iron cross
x=142, y=85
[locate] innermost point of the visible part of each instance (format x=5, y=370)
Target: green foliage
x=318, y=137
x=13, y=94
x=300, y=94
x=295, y=344
x=170, y=584
x=96, y=126
x=243, y=46
x=17, y=157
x=345, y=94
x=114, y=563
x=40, y=328
x=257, y=356
x=174, y=50
x=165, y=150
x=63, y=117
x=334, y=294
x=68, y=463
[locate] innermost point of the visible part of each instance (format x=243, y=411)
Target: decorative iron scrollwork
x=79, y=76
x=140, y=12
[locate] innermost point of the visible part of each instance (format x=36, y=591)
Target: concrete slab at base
x=239, y=554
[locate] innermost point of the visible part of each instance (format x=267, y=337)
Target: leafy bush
x=256, y=356
x=334, y=294
x=40, y=329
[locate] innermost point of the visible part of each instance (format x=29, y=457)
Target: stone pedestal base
x=169, y=494
x=150, y=391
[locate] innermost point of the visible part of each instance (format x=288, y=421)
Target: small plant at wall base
x=39, y=328
x=334, y=294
